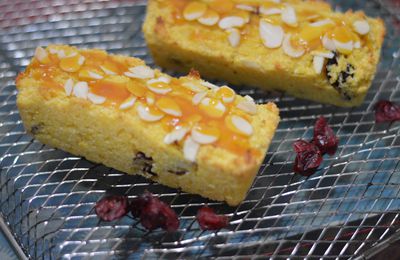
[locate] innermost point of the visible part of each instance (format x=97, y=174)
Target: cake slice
x=185, y=133
x=299, y=47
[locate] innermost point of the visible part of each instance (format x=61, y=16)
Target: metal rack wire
x=47, y=196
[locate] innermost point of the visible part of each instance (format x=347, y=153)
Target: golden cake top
x=297, y=27
x=192, y=111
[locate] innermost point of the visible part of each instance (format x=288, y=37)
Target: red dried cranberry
x=112, y=207
x=137, y=204
x=172, y=221
x=156, y=214
x=386, y=111
x=301, y=146
x=308, y=158
x=324, y=137
x=208, y=220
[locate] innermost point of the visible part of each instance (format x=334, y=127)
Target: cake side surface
x=336, y=76
x=121, y=139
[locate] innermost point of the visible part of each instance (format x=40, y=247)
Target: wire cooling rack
x=349, y=209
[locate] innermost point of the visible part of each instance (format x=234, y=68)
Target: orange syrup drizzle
x=312, y=36
x=117, y=92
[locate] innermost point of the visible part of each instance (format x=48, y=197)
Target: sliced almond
x=321, y=23
x=289, y=50
x=68, y=86
x=194, y=86
x=345, y=47
x=109, y=68
x=140, y=72
x=129, y=102
x=150, y=98
x=205, y=137
x=194, y=10
x=81, y=90
x=159, y=90
x=213, y=107
x=139, y=90
x=247, y=106
x=81, y=60
x=270, y=11
x=164, y=79
x=159, y=86
x=231, y=22
x=289, y=16
x=107, y=71
x=209, y=18
x=89, y=75
x=190, y=149
x=176, y=135
x=41, y=55
x=169, y=106
x=271, y=35
x=234, y=37
x=52, y=50
x=198, y=97
x=357, y=45
x=61, y=54
x=245, y=7
x=248, y=98
x=361, y=27
x=146, y=114
x=239, y=125
x=318, y=64
x=312, y=17
x=95, y=99
x=208, y=85
x=328, y=43
x=326, y=54
x=225, y=93
x=72, y=63
x=95, y=75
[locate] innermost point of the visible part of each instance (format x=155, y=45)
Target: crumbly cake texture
x=302, y=48
x=80, y=101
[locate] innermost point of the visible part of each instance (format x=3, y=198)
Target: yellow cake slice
x=185, y=133
x=299, y=47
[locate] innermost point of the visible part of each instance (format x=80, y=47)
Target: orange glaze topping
x=113, y=92
x=310, y=30
x=187, y=103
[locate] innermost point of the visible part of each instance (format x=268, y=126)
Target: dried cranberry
x=154, y=213
x=208, y=220
x=324, y=137
x=112, y=207
x=171, y=219
x=301, y=146
x=137, y=204
x=308, y=158
x=386, y=111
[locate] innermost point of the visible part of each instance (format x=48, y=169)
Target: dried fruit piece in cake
x=299, y=47
x=182, y=132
